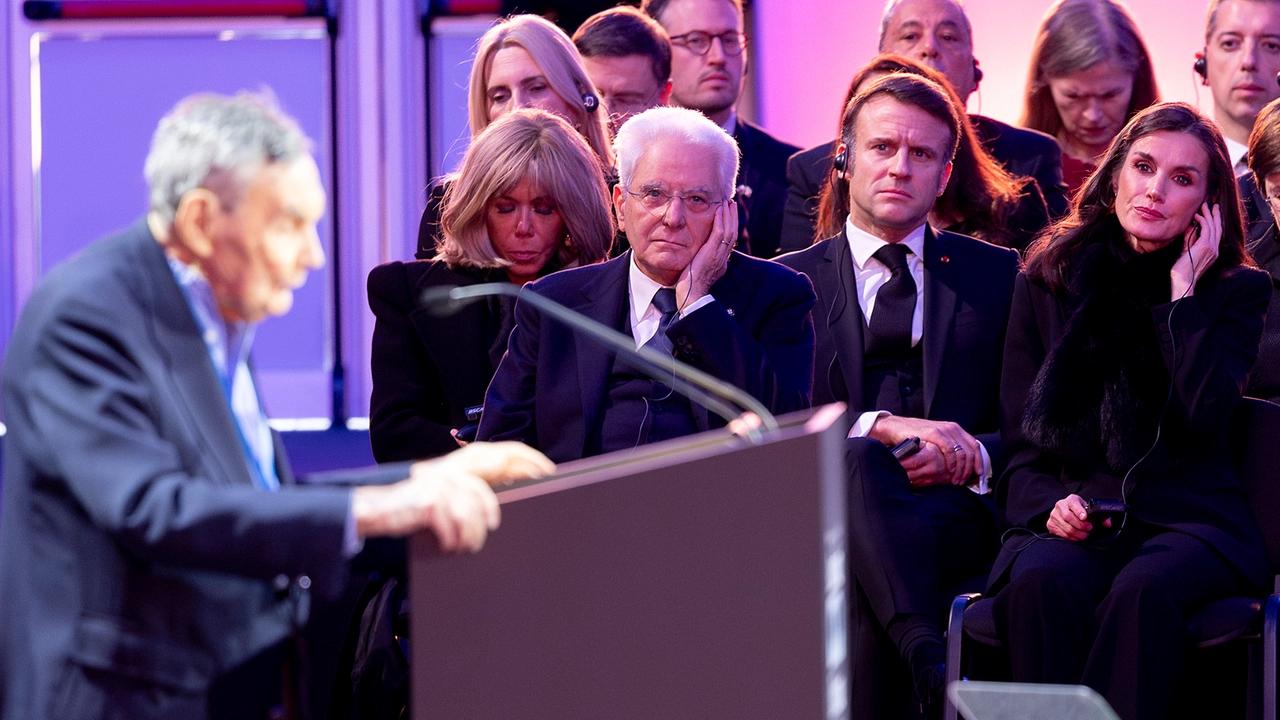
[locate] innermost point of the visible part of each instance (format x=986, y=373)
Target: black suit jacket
x=137, y=560
x=1264, y=381
x=549, y=389
x=1023, y=152
x=968, y=285
x=428, y=369
x=1190, y=485
x=764, y=170
x=1028, y=153
x=1258, y=219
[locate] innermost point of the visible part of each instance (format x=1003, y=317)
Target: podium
x=702, y=577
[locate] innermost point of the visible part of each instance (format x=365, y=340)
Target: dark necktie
x=665, y=301
x=895, y=305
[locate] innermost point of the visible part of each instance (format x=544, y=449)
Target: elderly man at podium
x=681, y=289
x=154, y=549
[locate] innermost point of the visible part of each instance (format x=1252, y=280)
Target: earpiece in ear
x=1201, y=66
x=977, y=72
x=841, y=159
x=590, y=102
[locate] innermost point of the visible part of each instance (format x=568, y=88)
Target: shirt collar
x=731, y=125
x=224, y=340
x=1236, y=152
x=863, y=244
x=642, y=288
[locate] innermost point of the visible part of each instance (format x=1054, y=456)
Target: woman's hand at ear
x=1200, y=251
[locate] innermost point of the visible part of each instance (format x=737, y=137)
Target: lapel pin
x=730, y=311
x=944, y=258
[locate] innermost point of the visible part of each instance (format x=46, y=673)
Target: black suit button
x=907, y=390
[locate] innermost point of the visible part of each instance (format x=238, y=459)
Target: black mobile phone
x=1100, y=509
x=906, y=448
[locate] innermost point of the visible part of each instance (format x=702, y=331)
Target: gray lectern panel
x=702, y=578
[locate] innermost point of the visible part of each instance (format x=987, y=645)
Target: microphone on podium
x=712, y=393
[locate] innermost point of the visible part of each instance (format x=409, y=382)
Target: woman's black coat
x=1188, y=482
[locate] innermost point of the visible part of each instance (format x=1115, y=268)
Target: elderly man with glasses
x=681, y=289
x=708, y=65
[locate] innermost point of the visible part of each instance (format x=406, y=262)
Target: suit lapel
x=605, y=298
x=843, y=315
x=939, y=312
x=190, y=370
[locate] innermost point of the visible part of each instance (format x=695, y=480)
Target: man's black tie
x=895, y=305
x=665, y=301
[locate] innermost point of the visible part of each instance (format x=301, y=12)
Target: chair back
x=1255, y=425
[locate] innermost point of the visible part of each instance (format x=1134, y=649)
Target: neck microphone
x=710, y=392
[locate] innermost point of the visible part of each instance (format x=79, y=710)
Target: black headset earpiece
x=841, y=159
x=977, y=72
x=1201, y=66
x=590, y=102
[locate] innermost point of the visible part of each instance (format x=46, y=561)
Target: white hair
x=681, y=124
x=216, y=142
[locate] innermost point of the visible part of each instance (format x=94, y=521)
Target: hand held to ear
x=1200, y=250
x=711, y=260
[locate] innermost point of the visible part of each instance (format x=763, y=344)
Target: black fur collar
x=1099, y=395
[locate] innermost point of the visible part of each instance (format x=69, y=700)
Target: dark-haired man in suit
x=936, y=33
x=680, y=289
x=708, y=65
x=910, y=327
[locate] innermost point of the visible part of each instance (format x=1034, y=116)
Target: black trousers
x=906, y=546
x=1110, y=615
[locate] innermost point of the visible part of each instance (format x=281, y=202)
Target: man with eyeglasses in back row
x=708, y=64
x=681, y=289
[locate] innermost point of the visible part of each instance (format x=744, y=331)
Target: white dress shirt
x=644, y=316
x=869, y=275
x=1238, y=154
x=228, y=346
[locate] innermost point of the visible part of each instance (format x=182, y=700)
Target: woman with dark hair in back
x=982, y=199
x=1090, y=72
x=1132, y=332
x=530, y=199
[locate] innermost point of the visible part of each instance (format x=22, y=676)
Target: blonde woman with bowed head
x=525, y=61
x=529, y=200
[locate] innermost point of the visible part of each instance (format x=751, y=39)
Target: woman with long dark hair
x=1090, y=72
x=1132, y=332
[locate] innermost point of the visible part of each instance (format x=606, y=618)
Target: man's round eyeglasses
x=698, y=42
x=656, y=201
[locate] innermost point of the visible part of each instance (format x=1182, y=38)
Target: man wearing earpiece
x=936, y=33
x=1239, y=63
x=708, y=66
x=910, y=327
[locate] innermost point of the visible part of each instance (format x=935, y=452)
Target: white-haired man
x=152, y=539
x=680, y=288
